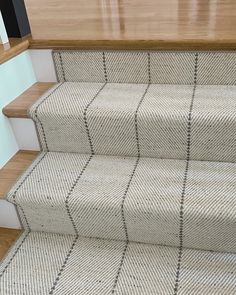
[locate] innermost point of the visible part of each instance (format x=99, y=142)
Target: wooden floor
x=7, y=238
x=169, y=24
x=14, y=168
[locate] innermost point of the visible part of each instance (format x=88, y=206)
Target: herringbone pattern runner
x=134, y=190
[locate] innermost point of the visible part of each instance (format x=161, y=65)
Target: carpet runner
x=134, y=189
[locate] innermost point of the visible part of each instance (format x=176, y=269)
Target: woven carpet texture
x=134, y=191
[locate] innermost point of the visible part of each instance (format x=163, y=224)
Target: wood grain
x=134, y=44
x=7, y=238
x=13, y=48
x=18, y=108
x=133, y=24
x=14, y=168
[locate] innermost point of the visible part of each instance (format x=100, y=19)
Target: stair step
x=104, y=193
x=156, y=67
x=65, y=264
x=14, y=168
x=132, y=24
x=7, y=238
x=19, y=107
x=115, y=112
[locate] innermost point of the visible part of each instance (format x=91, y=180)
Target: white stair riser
x=43, y=65
x=8, y=215
x=25, y=133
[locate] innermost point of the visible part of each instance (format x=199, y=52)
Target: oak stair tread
x=7, y=238
x=14, y=168
x=18, y=108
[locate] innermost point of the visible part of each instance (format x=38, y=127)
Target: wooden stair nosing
x=18, y=108
x=8, y=237
x=14, y=168
x=130, y=44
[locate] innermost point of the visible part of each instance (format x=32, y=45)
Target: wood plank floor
x=14, y=168
x=18, y=108
x=134, y=24
x=7, y=238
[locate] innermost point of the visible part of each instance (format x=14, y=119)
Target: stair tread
x=7, y=238
x=14, y=168
x=92, y=267
x=152, y=203
x=19, y=107
x=132, y=24
x=162, y=119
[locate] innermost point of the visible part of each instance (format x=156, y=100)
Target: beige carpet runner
x=134, y=191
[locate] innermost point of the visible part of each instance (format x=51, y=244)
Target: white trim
x=3, y=32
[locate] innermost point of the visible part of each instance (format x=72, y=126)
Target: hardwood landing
x=14, y=168
x=7, y=238
x=133, y=24
x=128, y=24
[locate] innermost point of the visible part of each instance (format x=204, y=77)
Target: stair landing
x=150, y=24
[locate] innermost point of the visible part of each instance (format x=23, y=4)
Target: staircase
x=134, y=189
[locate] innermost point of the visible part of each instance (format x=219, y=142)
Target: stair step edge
x=14, y=168
x=18, y=108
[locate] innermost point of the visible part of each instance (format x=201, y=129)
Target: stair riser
x=25, y=134
x=158, y=67
x=8, y=215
